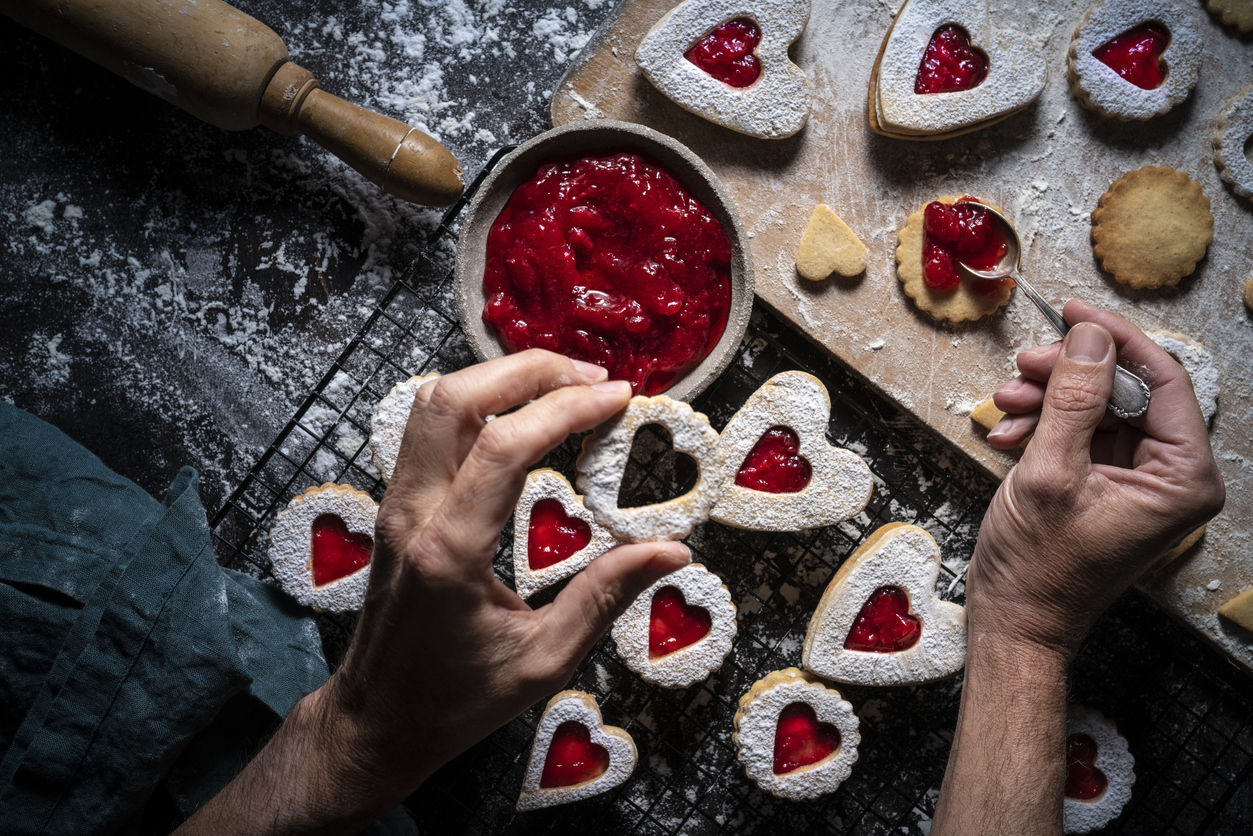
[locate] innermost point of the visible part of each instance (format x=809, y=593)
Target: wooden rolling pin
x=232, y=71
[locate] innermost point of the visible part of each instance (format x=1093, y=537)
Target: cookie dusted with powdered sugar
x=789, y=477
x=795, y=735
x=574, y=755
x=387, y=425
x=321, y=545
x=880, y=622
x=554, y=536
x=1231, y=135
x=1197, y=362
x=603, y=462
x=1099, y=770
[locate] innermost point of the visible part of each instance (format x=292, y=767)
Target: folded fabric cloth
x=122, y=639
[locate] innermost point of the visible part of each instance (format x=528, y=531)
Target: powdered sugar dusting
x=1198, y=363
x=581, y=708
x=1234, y=128
x=291, y=546
x=1113, y=758
x=387, y=425
x=546, y=483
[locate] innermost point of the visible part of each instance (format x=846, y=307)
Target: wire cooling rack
x=1187, y=715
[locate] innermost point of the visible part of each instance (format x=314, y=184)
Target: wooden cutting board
x=1047, y=166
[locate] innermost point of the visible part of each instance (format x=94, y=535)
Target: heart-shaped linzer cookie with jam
x=554, y=536
x=880, y=621
x=784, y=474
x=679, y=630
x=943, y=70
x=574, y=755
x=1099, y=770
x=727, y=61
x=321, y=545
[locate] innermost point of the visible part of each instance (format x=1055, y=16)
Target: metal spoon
x=1130, y=396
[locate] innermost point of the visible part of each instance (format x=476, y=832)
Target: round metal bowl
x=602, y=135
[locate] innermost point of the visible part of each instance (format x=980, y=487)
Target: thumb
x=1075, y=400
x=595, y=597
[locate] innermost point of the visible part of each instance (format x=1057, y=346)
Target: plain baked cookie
x=1095, y=752
x=795, y=735
x=574, y=756
x=1235, y=14
x=1248, y=294
x=1231, y=134
x=321, y=546
x=1152, y=227
x=829, y=246
x=958, y=305
x=1103, y=90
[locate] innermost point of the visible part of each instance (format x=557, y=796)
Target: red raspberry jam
x=673, y=623
x=1136, y=55
x=775, y=464
x=553, y=534
x=572, y=757
x=960, y=232
x=950, y=63
x=726, y=53
x=800, y=740
x=1083, y=780
x=884, y=624
x=609, y=259
x=337, y=552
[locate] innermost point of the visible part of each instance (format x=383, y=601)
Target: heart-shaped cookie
x=1100, y=770
x=679, y=630
x=829, y=246
x=774, y=105
x=574, y=755
x=795, y=735
x=860, y=633
x=1109, y=70
x=320, y=547
x=603, y=462
x=554, y=536
x=1232, y=135
x=1014, y=77
x=387, y=425
x=840, y=483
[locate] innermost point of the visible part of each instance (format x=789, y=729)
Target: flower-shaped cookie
x=679, y=630
x=788, y=476
x=1232, y=135
x=727, y=61
x=321, y=545
x=880, y=622
x=387, y=425
x=1099, y=770
x=574, y=755
x=795, y=735
x=554, y=536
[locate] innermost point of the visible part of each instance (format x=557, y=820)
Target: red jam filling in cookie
x=950, y=63
x=775, y=464
x=610, y=260
x=1083, y=780
x=554, y=535
x=1136, y=55
x=572, y=757
x=800, y=740
x=337, y=552
x=960, y=232
x=673, y=623
x=884, y=624
x=726, y=53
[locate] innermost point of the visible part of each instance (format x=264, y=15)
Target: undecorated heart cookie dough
x=829, y=246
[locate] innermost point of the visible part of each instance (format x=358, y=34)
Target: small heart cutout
x=829, y=246
x=950, y=63
x=801, y=740
x=655, y=471
x=726, y=53
x=572, y=757
x=337, y=552
x=674, y=624
x=1084, y=781
x=554, y=535
x=884, y=624
x=1136, y=55
x=775, y=464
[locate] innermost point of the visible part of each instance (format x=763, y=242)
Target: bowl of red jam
x=610, y=243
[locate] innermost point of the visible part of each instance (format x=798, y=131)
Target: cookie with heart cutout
x=1132, y=60
x=603, y=462
x=880, y=621
x=1232, y=135
x=321, y=545
x=1197, y=362
x=829, y=246
x=789, y=476
x=795, y=735
x=943, y=70
x=1100, y=770
x=387, y=425
x=678, y=631
x=554, y=536
x=574, y=756
x=727, y=61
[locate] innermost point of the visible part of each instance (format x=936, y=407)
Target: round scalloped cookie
x=1248, y=294
x=1152, y=227
x=291, y=546
x=1231, y=135
x=957, y=305
x=1115, y=762
x=1234, y=14
x=1101, y=89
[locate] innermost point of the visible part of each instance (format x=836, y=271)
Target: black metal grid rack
x=1187, y=715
